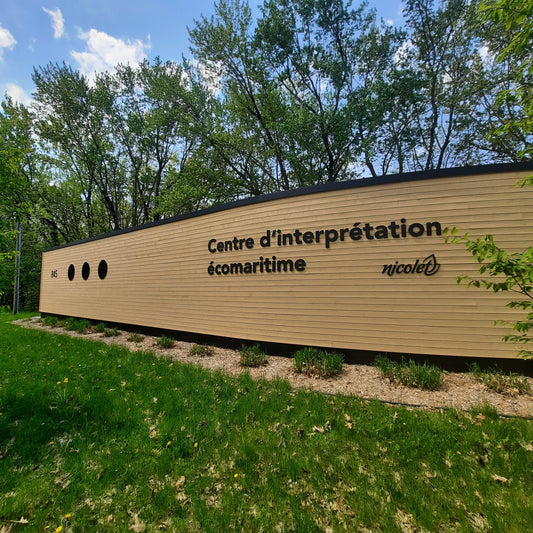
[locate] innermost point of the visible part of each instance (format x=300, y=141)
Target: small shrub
x=311, y=361
x=386, y=367
x=498, y=381
x=135, y=337
x=111, y=332
x=201, y=350
x=424, y=376
x=411, y=373
x=252, y=356
x=303, y=359
x=80, y=326
x=70, y=324
x=100, y=327
x=166, y=342
x=50, y=321
x=83, y=326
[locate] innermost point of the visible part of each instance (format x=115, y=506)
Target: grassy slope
x=122, y=441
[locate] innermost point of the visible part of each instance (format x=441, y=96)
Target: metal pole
x=16, y=295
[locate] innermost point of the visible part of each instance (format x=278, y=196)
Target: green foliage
x=50, y=321
x=142, y=442
x=111, y=332
x=201, y=350
x=314, y=362
x=135, y=337
x=502, y=382
x=78, y=325
x=510, y=272
x=508, y=30
x=21, y=177
x=100, y=327
x=252, y=356
x=410, y=373
x=166, y=342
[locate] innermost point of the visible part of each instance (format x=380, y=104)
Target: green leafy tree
x=508, y=29
x=310, y=51
x=19, y=174
x=318, y=91
x=71, y=118
x=150, y=121
x=443, y=52
x=245, y=128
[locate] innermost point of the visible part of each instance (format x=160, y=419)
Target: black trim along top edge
x=324, y=187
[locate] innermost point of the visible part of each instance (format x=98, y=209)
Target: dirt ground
x=461, y=390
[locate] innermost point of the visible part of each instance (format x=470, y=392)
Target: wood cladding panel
x=159, y=276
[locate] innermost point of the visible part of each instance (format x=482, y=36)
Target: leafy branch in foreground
x=514, y=272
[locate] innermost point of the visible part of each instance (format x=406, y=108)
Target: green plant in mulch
x=100, y=327
x=135, y=337
x=80, y=326
x=312, y=361
x=252, y=356
x=410, y=373
x=165, y=342
x=201, y=350
x=50, y=321
x=113, y=332
x=501, y=382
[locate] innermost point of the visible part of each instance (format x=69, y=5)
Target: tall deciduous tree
x=20, y=173
x=150, y=122
x=507, y=27
x=444, y=54
x=117, y=137
x=329, y=59
x=247, y=133
x=71, y=117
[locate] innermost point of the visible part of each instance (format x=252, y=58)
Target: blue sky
x=95, y=35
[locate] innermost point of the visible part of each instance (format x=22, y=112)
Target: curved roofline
x=324, y=187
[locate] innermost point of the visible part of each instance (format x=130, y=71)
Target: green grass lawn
x=97, y=438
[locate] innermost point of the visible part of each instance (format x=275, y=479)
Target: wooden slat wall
x=158, y=275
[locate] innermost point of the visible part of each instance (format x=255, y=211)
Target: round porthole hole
x=102, y=269
x=71, y=272
x=85, y=270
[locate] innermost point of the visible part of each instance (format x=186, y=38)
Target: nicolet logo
x=427, y=266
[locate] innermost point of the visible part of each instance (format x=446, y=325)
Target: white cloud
x=18, y=94
x=486, y=55
x=6, y=41
x=104, y=52
x=211, y=75
x=58, y=23
x=403, y=52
